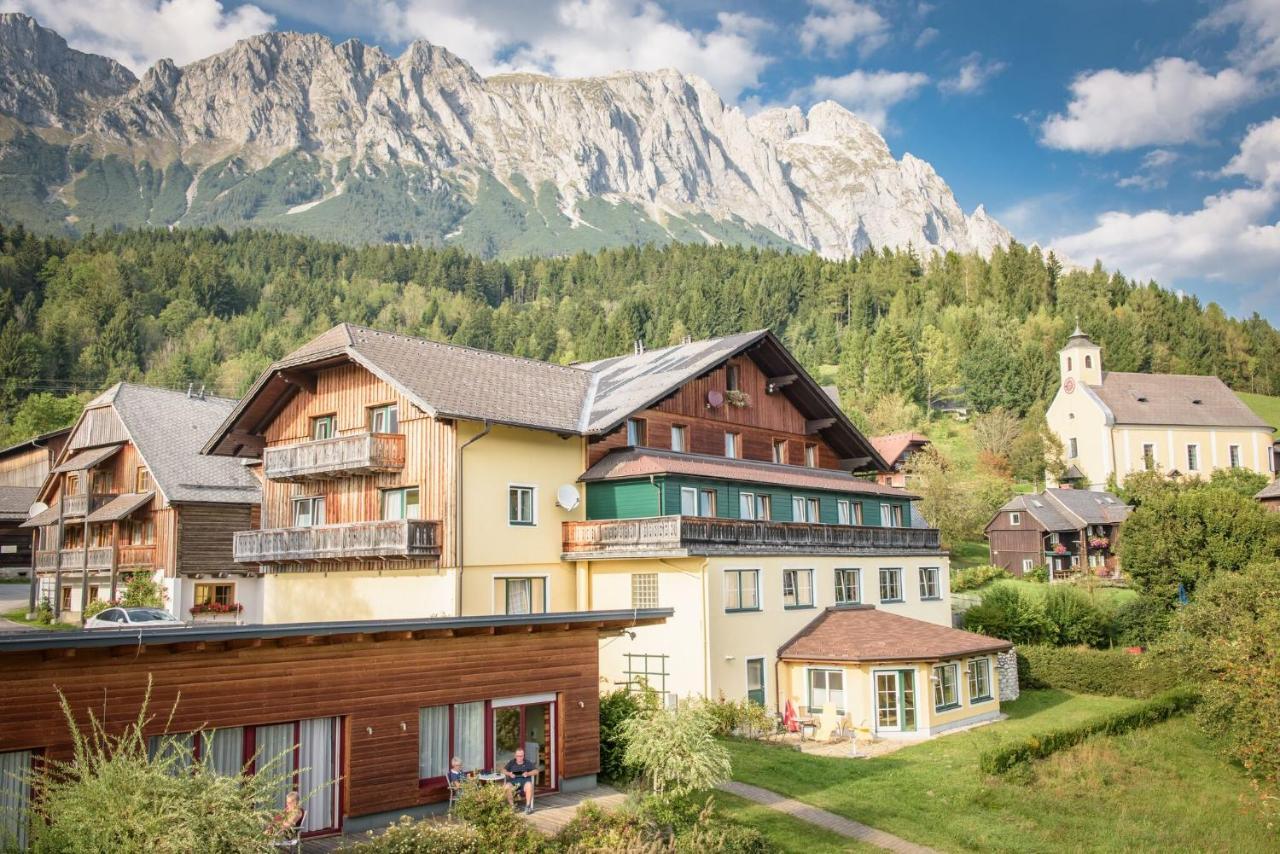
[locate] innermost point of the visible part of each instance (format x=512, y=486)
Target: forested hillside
x=213, y=308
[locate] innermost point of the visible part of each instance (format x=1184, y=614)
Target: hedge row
x=1113, y=672
x=1003, y=758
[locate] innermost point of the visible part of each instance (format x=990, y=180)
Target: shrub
x=44, y=611
x=647, y=827
x=418, y=837
x=740, y=717
x=710, y=833
x=1038, y=574
x=1005, y=613
x=95, y=607
x=975, y=577
x=1073, y=620
x=143, y=591
x=617, y=707
x=1111, y=672
x=486, y=809
x=676, y=751
x=1007, y=756
x=1141, y=621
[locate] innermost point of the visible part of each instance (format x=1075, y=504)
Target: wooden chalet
x=130, y=492
x=23, y=469
x=1065, y=530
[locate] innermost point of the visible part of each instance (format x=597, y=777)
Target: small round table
x=489, y=777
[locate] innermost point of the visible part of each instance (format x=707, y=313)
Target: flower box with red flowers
x=1060, y=549
x=1098, y=542
x=216, y=608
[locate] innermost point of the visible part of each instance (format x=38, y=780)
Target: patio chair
x=291, y=839
x=455, y=792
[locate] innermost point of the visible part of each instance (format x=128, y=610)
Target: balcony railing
x=137, y=555
x=404, y=539
x=341, y=456
x=72, y=559
x=675, y=536
x=80, y=503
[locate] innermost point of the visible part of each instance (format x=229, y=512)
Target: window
x=73, y=483
x=742, y=590
x=797, y=588
x=697, y=502
x=746, y=505
x=1149, y=456
x=401, y=503
x=521, y=595
x=66, y=598
x=15, y=793
x=323, y=427
x=679, y=439
x=843, y=516
x=805, y=509
x=1068, y=363
x=8, y=549
x=448, y=731
x=520, y=509
x=706, y=502
x=731, y=377
x=780, y=451
x=384, y=419
x=929, y=588
x=811, y=456
x=826, y=687
x=215, y=594
x=944, y=687
x=891, y=515
x=308, y=512
x=733, y=445
x=644, y=590
x=891, y=585
x=142, y=480
x=637, y=432
x=1015, y=519
x=104, y=482
x=101, y=536
x=755, y=681
x=1073, y=449
x=1233, y=452
x=138, y=532
x=73, y=537
x=646, y=670
x=1193, y=458
x=1088, y=361
x=848, y=586
x=1027, y=564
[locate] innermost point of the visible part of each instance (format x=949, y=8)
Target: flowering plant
x=216, y=608
x=1098, y=542
x=737, y=397
x=1060, y=549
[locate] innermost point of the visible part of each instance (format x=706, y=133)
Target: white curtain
x=317, y=783
x=518, y=595
x=274, y=745
x=15, y=796
x=224, y=751
x=177, y=748
x=433, y=742
x=468, y=734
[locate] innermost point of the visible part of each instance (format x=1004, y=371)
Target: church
x=1115, y=423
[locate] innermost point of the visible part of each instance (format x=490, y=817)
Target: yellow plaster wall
x=299, y=597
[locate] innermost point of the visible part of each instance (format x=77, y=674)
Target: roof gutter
x=457, y=512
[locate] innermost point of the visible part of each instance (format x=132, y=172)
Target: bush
x=486, y=809
x=44, y=612
x=95, y=607
x=975, y=577
x=143, y=591
x=1073, y=620
x=1111, y=672
x=676, y=752
x=740, y=717
x=1005, y=613
x=1008, y=756
x=1038, y=574
x=617, y=707
x=648, y=827
x=418, y=837
x=1141, y=621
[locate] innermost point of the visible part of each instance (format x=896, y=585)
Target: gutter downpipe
x=457, y=512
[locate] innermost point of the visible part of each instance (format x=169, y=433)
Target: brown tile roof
x=861, y=633
x=892, y=446
x=1174, y=399
x=642, y=462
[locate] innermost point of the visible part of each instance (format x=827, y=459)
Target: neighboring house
x=370, y=711
x=130, y=492
x=896, y=449
x=890, y=674
x=1114, y=423
x=23, y=468
x=1062, y=529
x=1270, y=496
x=404, y=477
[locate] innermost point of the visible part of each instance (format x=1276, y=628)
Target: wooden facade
x=1029, y=544
x=25, y=467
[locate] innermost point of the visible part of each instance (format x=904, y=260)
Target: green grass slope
x=1264, y=406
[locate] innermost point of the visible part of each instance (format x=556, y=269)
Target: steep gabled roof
x=862, y=633
x=1070, y=509
x=1174, y=399
x=894, y=445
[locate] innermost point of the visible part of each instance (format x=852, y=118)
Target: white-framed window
x=848, y=586
x=323, y=427
x=1193, y=457
x=384, y=419
x=733, y=445
x=679, y=438
x=742, y=590
x=1148, y=456
x=1015, y=518
x=746, y=505
x=780, y=451
x=1233, y=454
x=826, y=687
x=637, y=432
x=945, y=689
x=979, y=680
x=805, y=509
x=891, y=584
x=308, y=512
x=520, y=594
x=644, y=590
x=930, y=587
x=522, y=505
x=401, y=503
x=764, y=507
x=697, y=502
x=811, y=456
x=843, y=516
x=891, y=515
x=1027, y=564
x=797, y=588
x=707, y=502
x=1073, y=448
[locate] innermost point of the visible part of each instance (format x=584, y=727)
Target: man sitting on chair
x=520, y=773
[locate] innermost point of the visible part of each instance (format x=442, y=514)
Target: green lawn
x=970, y=553
x=785, y=834
x=1264, y=406
x=1164, y=788
x=19, y=615
x=1106, y=597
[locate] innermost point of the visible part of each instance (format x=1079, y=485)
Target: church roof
x=1174, y=400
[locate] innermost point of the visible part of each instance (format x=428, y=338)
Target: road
x=13, y=596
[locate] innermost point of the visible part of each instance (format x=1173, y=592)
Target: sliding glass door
x=527, y=723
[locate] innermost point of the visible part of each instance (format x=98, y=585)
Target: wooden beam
x=298, y=640
x=244, y=643
x=195, y=646
x=122, y=651
x=393, y=636
x=305, y=381
x=515, y=630
x=783, y=381
x=52, y=654
x=855, y=463
x=433, y=634
x=813, y=425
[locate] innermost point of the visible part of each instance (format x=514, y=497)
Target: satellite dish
x=715, y=397
x=37, y=508
x=567, y=496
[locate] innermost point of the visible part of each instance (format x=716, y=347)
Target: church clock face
x=1070, y=385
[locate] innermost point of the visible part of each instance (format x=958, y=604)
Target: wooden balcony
x=400, y=539
x=341, y=456
x=132, y=556
x=681, y=536
x=81, y=504
x=72, y=559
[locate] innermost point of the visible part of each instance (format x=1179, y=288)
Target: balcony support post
x=84, y=564
x=115, y=559
x=57, y=564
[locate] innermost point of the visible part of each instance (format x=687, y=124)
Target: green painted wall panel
x=627, y=499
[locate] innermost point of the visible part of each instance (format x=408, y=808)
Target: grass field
x=783, y=833
x=1105, y=597
x=968, y=553
x=19, y=615
x=1164, y=788
x=1264, y=406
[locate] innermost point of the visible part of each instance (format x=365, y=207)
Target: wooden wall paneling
x=205, y=536
x=28, y=468
x=98, y=426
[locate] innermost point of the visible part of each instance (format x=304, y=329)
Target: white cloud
x=869, y=94
x=1153, y=172
x=586, y=37
x=1259, y=23
x=1233, y=237
x=136, y=33
x=1171, y=101
x=836, y=24
x=972, y=75
x=927, y=35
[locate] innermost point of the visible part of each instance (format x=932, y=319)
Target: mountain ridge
x=297, y=132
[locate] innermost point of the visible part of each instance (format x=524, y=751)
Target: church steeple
x=1081, y=359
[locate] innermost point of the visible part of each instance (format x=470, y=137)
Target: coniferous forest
x=214, y=308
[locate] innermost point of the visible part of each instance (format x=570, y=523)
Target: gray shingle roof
x=15, y=501
x=1271, y=490
x=169, y=429
x=1070, y=509
x=1174, y=399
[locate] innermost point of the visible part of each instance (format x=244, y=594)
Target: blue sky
x=1143, y=132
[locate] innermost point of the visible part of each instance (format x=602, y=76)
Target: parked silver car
x=132, y=618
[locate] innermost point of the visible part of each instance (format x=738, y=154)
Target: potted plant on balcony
x=216, y=612
x=737, y=397
x=1060, y=548
x=1099, y=542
